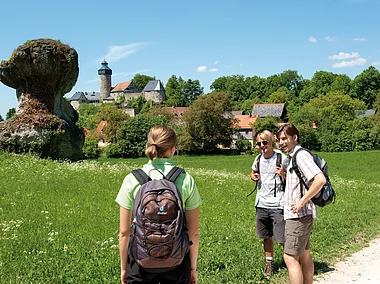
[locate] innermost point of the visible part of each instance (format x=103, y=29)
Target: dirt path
x=362, y=267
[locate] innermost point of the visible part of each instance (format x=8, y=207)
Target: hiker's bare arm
x=255, y=176
x=125, y=224
x=192, y=223
x=318, y=181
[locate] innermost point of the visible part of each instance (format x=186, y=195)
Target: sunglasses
x=263, y=142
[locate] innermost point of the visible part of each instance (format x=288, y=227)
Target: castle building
x=154, y=90
x=105, y=74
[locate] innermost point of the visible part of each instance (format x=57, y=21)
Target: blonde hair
x=267, y=136
x=160, y=140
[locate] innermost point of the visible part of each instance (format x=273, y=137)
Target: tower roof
x=104, y=70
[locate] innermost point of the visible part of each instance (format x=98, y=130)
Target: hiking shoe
x=269, y=268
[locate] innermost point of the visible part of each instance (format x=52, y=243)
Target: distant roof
x=153, y=85
x=263, y=110
x=245, y=120
x=90, y=96
x=104, y=69
x=367, y=112
x=178, y=111
x=237, y=112
x=99, y=128
x=121, y=86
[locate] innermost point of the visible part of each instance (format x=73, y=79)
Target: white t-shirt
x=269, y=183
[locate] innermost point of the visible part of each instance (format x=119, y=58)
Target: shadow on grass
x=322, y=267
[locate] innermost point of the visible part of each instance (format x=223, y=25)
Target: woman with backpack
x=144, y=225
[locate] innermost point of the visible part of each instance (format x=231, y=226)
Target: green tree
x=1, y=118
x=137, y=102
x=320, y=84
x=247, y=105
x=191, y=90
x=366, y=86
x=208, y=122
x=132, y=136
x=90, y=148
x=342, y=83
x=174, y=96
x=11, y=112
x=280, y=96
x=267, y=123
x=87, y=118
x=141, y=80
x=114, y=116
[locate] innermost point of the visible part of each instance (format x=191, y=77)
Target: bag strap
x=174, y=173
x=296, y=169
x=253, y=190
x=258, y=170
x=278, y=159
x=141, y=176
x=258, y=163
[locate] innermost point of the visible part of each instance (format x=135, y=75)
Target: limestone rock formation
x=42, y=71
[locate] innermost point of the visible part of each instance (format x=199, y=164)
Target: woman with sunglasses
x=266, y=171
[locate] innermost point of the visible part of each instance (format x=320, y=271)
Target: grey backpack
x=327, y=194
x=159, y=241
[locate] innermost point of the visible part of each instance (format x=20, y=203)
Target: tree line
x=334, y=103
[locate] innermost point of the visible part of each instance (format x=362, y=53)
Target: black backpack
x=327, y=194
x=159, y=241
x=278, y=164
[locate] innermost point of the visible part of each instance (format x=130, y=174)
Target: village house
x=245, y=129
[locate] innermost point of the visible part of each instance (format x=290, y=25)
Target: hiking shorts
x=297, y=235
x=180, y=274
x=270, y=223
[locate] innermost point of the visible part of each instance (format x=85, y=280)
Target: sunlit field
x=59, y=220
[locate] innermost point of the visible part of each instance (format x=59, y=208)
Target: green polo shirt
x=185, y=184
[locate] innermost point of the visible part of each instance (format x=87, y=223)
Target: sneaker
x=269, y=268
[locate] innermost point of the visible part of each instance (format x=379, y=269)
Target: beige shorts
x=297, y=235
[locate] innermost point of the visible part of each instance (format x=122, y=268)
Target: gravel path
x=361, y=267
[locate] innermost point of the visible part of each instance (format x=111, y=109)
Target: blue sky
x=196, y=39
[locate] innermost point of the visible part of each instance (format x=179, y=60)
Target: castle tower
x=105, y=80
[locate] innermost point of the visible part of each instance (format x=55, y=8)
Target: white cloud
x=360, y=39
x=213, y=70
x=352, y=63
x=376, y=63
x=118, y=52
x=330, y=38
x=216, y=62
x=202, y=69
x=342, y=55
x=139, y=72
x=93, y=81
x=312, y=39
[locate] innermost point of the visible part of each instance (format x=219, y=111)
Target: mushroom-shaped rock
x=42, y=71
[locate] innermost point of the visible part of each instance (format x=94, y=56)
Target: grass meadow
x=59, y=220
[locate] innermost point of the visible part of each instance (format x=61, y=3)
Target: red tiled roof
x=245, y=120
x=99, y=129
x=178, y=111
x=121, y=86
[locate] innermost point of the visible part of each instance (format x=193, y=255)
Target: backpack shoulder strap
x=258, y=163
x=296, y=169
x=141, y=176
x=174, y=173
x=278, y=159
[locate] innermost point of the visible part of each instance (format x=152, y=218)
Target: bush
x=243, y=145
x=91, y=149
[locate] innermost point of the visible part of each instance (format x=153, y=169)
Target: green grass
x=59, y=221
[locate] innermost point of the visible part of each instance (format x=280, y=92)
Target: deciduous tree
x=208, y=121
